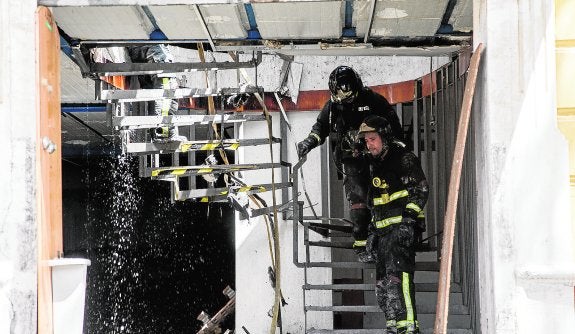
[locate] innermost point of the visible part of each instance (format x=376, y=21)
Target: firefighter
x=397, y=195
x=339, y=119
x=158, y=53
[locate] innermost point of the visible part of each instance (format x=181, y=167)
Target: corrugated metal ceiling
x=269, y=25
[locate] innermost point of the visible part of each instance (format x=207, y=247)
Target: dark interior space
x=155, y=265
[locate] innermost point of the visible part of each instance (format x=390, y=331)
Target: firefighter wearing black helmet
x=340, y=118
x=397, y=195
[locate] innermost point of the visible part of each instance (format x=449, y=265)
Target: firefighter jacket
x=398, y=188
x=341, y=121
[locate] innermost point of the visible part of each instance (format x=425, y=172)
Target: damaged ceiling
x=284, y=27
x=270, y=26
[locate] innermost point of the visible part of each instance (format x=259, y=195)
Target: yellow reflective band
x=383, y=199
x=386, y=198
x=406, y=323
x=407, y=297
x=248, y=188
x=155, y=172
x=316, y=136
x=421, y=214
x=414, y=207
x=166, y=102
x=398, y=194
x=234, y=146
x=388, y=221
x=205, y=170
x=209, y=146
x=225, y=192
x=178, y=171
x=359, y=243
x=390, y=323
x=185, y=147
x=204, y=200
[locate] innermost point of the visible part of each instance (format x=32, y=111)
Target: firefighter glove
x=406, y=232
x=306, y=145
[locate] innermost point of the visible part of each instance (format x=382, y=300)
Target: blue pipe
x=253, y=33
x=97, y=108
x=348, y=29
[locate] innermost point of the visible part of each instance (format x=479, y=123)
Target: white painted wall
x=17, y=167
x=523, y=193
x=374, y=70
x=254, y=296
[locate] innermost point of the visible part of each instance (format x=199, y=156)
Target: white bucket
x=68, y=294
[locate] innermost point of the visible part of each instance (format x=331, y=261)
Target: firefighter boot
x=360, y=218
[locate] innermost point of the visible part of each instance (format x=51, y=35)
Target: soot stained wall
x=155, y=264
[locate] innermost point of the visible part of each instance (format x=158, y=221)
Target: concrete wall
x=17, y=167
x=524, y=235
x=254, y=292
x=315, y=70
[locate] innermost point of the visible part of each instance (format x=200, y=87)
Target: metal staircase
x=204, y=168
x=343, y=258
x=353, y=283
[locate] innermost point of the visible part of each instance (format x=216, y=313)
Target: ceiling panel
x=462, y=16
x=94, y=22
x=226, y=21
x=178, y=22
x=393, y=18
x=74, y=88
x=300, y=20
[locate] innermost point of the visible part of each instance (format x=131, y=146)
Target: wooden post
x=48, y=160
x=442, y=309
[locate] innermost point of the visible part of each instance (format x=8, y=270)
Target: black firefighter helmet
x=377, y=124
x=344, y=84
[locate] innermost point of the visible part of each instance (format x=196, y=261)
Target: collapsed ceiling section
x=332, y=27
x=250, y=28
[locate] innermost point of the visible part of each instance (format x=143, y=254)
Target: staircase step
x=426, y=321
x=380, y=331
x=419, y=287
x=195, y=145
x=430, y=297
x=425, y=299
x=454, y=322
x=421, y=309
x=344, y=331
x=449, y=331
x=419, y=266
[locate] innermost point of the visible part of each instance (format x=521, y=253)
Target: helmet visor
x=341, y=95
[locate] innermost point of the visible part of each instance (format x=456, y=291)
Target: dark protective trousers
x=355, y=182
x=395, y=290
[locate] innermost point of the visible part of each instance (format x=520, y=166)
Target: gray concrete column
x=17, y=167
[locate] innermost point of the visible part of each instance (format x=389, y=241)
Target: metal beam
x=197, y=145
x=205, y=27
x=136, y=95
x=370, y=20
x=166, y=173
x=74, y=3
x=147, y=122
x=109, y=69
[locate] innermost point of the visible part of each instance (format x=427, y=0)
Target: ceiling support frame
x=205, y=27
x=370, y=20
